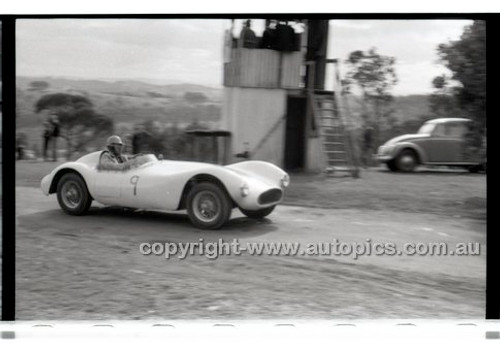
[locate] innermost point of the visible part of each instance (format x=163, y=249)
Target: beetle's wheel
x=406, y=161
x=73, y=195
x=209, y=207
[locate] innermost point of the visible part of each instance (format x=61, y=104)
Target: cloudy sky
x=181, y=50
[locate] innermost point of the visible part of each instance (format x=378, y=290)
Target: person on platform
x=247, y=37
x=268, y=40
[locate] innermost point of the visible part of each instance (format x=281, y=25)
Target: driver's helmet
x=114, y=144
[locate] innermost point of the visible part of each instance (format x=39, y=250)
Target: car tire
x=72, y=194
x=208, y=206
x=258, y=214
x=391, y=165
x=406, y=161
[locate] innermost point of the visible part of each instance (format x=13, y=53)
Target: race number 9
x=134, y=180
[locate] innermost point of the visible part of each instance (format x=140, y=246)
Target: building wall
x=251, y=114
x=314, y=159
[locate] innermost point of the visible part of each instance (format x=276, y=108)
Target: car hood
x=241, y=170
x=169, y=167
x=405, y=138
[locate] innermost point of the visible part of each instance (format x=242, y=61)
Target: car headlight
x=285, y=181
x=244, y=190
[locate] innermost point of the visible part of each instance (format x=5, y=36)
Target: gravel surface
x=90, y=267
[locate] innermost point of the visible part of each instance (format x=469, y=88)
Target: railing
x=263, y=68
x=345, y=118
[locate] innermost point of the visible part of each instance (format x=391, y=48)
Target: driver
x=112, y=158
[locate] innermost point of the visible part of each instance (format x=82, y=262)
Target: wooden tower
x=269, y=100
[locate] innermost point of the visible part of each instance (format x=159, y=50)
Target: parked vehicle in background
x=438, y=142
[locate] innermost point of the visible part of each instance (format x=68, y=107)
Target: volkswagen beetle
x=438, y=142
x=208, y=192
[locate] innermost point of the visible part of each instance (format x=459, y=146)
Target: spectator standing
x=269, y=36
x=247, y=37
x=46, y=136
x=54, y=120
x=285, y=37
x=228, y=42
x=20, y=145
x=367, y=146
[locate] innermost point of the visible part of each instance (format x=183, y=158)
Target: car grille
x=270, y=196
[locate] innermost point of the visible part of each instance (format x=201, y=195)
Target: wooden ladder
x=326, y=108
x=336, y=144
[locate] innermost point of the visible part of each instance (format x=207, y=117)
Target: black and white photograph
x=262, y=167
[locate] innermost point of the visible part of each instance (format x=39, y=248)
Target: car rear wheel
x=73, y=195
x=406, y=161
x=208, y=206
x=258, y=214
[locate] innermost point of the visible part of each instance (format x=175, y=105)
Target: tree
x=38, y=85
x=466, y=59
x=195, y=97
x=374, y=75
x=443, y=103
x=79, y=123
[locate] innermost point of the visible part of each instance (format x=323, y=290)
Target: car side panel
x=444, y=149
x=106, y=185
x=142, y=189
x=148, y=189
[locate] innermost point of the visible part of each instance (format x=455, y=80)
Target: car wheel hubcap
x=71, y=194
x=206, y=206
x=407, y=162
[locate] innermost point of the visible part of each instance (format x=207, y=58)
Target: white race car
x=208, y=192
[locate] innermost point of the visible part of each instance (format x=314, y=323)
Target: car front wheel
x=208, y=206
x=73, y=195
x=406, y=161
x=258, y=214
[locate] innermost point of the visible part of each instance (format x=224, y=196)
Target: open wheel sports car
x=208, y=192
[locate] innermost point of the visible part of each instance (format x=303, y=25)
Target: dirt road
x=90, y=267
